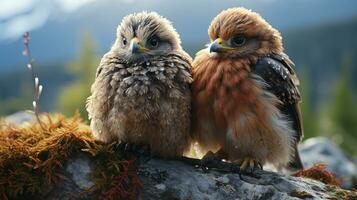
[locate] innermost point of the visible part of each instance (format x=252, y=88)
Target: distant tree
x=73, y=96
x=342, y=110
x=13, y=104
x=309, y=113
x=21, y=101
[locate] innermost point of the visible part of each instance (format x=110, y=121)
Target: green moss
x=334, y=192
x=31, y=159
x=339, y=193
x=300, y=194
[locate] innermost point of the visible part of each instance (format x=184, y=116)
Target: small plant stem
x=35, y=80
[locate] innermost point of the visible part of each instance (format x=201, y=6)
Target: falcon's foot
x=249, y=165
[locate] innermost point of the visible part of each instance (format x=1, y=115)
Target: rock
x=79, y=168
x=20, y=117
x=170, y=179
x=185, y=182
x=173, y=179
x=321, y=149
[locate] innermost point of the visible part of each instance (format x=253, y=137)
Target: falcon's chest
x=225, y=88
x=149, y=80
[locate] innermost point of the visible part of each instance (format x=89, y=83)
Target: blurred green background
x=68, y=39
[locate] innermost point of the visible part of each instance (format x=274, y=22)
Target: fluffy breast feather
x=223, y=88
x=116, y=80
x=243, y=115
x=140, y=102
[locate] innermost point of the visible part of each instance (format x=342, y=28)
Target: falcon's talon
x=250, y=165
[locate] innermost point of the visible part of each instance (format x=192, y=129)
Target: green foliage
x=341, y=111
x=343, y=99
x=73, y=96
x=16, y=90
x=309, y=114
x=13, y=104
x=15, y=98
x=337, y=118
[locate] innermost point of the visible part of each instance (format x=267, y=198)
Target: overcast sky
x=18, y=16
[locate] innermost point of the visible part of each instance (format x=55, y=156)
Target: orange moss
x=31, y=158
x=319, y=172
x=120, y=187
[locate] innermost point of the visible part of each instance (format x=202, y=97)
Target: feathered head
x=238, y=32
x=145, y=34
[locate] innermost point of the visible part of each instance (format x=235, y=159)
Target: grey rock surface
x=79, y=168
x=169, y=179
x=321, y=149
x=177, y=180
x=20, y=117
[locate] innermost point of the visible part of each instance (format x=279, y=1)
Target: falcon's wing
x=277, y=71
x=111, y=62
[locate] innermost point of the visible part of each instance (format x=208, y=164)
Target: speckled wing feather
x=278, y=73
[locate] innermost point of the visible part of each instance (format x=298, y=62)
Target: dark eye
x=124, y=41
x=154, y=42
x=238, y=40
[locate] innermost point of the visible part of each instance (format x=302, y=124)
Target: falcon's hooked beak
x=136, y=47
x=219, y=45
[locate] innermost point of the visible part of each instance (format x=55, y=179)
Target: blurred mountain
x=56, y=40
x=16, y=90
x=319, y=50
